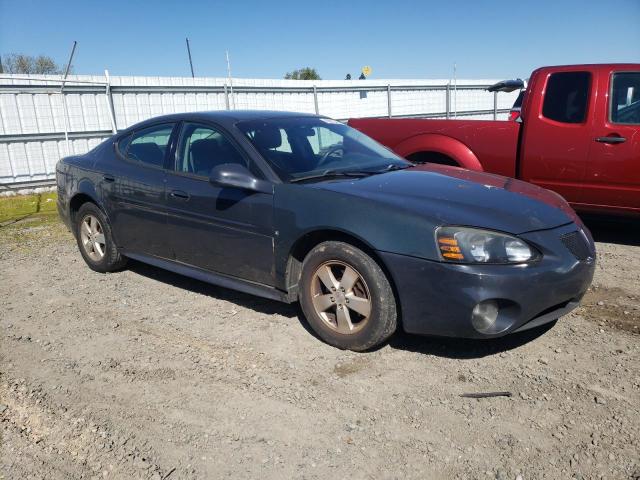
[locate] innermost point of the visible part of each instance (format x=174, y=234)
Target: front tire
x=346, y=297
x=95, y=240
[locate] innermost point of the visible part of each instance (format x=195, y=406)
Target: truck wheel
x=95, y=241
x=346, y=297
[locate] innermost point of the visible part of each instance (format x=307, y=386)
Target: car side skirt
x=213, y=278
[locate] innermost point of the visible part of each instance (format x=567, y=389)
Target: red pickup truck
x=578, y=134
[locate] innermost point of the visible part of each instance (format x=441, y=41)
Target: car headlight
x=474, y=245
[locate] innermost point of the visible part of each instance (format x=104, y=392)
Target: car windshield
x=300, y=148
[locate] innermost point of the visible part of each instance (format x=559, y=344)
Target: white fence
x=43, y=119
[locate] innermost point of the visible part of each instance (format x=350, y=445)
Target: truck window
x=567, y=96
x=625, y=98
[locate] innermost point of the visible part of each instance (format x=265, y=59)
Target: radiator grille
x=576, y=244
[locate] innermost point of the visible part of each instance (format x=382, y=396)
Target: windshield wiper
x=351, y=173
x=333, y=173
x=392, y=167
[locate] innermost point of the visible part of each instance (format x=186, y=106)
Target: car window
x=625, y=98
x=324, y=140
x=149, y=146
x=296, y=147
x=567, y=96
x=202, y=148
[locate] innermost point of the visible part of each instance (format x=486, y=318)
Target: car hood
x=455, y=196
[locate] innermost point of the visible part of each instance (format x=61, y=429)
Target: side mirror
x=238, y=176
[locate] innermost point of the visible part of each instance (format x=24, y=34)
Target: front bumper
x=438, y=298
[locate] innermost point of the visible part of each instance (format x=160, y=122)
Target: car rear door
x=135, y=190
x=557, y=131
x=219, y=229
x=613, y=176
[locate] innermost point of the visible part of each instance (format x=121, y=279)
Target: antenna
x=189, y=53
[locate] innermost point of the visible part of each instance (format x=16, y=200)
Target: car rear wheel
x=346, y=297
x=95, y=241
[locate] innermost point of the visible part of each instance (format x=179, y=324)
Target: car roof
x=222, y=117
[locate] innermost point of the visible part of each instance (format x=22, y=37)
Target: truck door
x=613, y=175
x=557, y=132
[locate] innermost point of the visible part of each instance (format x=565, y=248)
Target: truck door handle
x=108, y=178
x=611, y=139
x=180, y=194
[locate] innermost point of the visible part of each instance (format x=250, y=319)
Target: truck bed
x=493, y=143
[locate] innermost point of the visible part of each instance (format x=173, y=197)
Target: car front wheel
x=95, y=241
x=346, y=297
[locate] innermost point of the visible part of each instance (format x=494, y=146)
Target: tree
x=26, y=64
x=306, y=73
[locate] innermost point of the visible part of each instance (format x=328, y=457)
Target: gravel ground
x=146, y=374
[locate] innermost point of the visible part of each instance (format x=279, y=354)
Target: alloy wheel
x=340, y=297
x=92, y=238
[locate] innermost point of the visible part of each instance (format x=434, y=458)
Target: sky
x=265, y=39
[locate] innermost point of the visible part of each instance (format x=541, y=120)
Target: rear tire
x=346, y=297
x=95, y=240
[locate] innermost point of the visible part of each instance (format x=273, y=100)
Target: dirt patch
x=612, y=306
x=351, y=367
x=146, y=374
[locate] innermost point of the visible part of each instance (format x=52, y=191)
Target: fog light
x=484, y=315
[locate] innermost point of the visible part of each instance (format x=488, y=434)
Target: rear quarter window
x=625, y=98
x=567, y=97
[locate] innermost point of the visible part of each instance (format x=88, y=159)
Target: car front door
x=557, y=133
x=136, y=191
x=613, y=177
x=220, y=229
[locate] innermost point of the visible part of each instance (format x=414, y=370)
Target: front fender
x=433, y=142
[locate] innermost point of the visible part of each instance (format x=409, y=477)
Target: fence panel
x=43, y=118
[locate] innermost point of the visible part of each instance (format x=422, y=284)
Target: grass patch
x=29, y=233
x=14, y=208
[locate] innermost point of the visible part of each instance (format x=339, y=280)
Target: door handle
x=180, y=194
x=108, y=178
x=611, y=139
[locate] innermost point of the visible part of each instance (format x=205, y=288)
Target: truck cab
x=581, y=135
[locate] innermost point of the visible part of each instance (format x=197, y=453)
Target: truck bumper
x=438, y=298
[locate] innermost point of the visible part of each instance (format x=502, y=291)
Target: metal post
x=495, y=105
x=448, y=100
x=73, y=51
x=64, y=99
x=112, y=112
x=315, y=99
x=233, y=100
x=226, y=96
x=189, y=53
x=455, y=90
x=389, y=113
